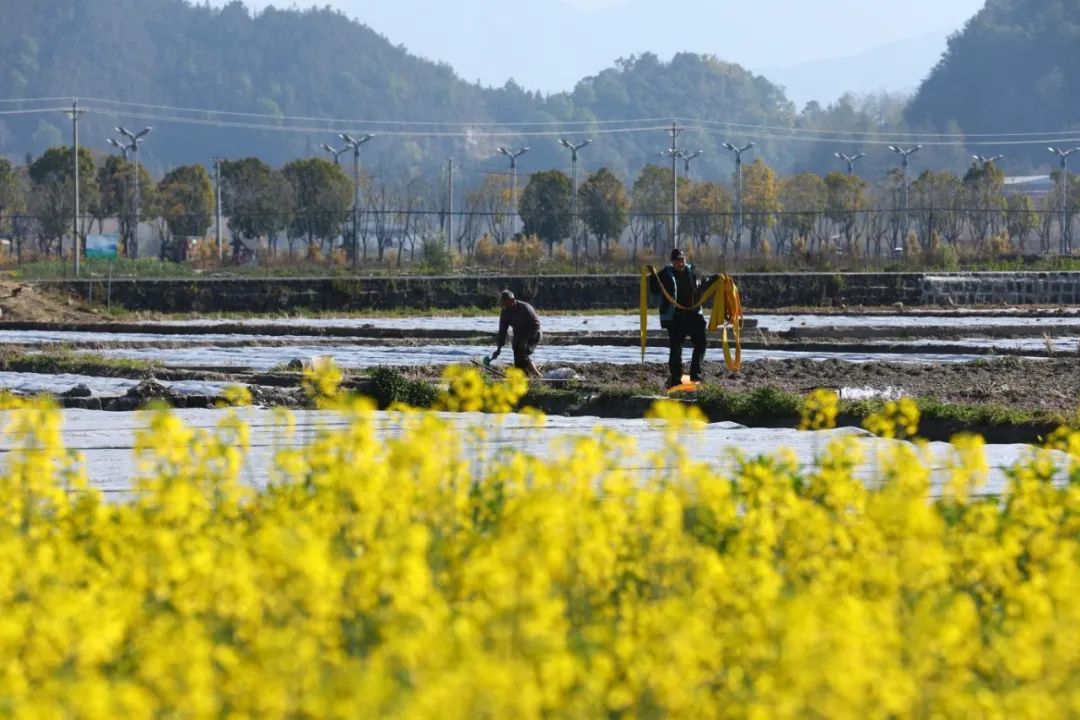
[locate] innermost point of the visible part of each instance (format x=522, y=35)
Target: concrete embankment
x=567, y=292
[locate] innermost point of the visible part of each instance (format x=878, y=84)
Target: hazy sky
x=549, y=45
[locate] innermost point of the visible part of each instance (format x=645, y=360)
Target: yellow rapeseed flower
x=402, y=573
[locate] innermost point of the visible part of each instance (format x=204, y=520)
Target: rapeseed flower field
x=396, y=578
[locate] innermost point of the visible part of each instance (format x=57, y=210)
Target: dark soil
x=1050, y=385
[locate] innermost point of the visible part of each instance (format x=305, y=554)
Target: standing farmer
x=682, y=284
x=526, y=325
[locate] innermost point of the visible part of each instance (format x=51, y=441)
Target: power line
x=781, y=128
x=328, y=129
x=29, y=111
x=369, y=121
x=960, y=141
x=701, y=122
x=884, y=143
x=28, y=100
x=494, y=129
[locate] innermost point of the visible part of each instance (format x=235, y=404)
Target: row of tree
x=310, y=202
x=803, y=212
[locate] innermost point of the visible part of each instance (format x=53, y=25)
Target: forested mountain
x=574, y=42
x=291, y=66
x=1015, y=67
x=168, y=52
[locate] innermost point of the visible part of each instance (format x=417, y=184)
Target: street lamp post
x=573, y=164
x=738, y=193
x=1066, y=246
x=217, y=208
x=355, y=143
x=133, y=146
x=513, y=154
x=850, y=160
x=905, y=154
x=124, y=153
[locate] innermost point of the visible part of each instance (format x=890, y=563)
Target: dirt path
x=25, y=302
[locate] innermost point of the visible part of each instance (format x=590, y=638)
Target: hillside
x=896, y=67
x=763, y=33
x=1015, y=67
x=289, y=66
x=167, y=52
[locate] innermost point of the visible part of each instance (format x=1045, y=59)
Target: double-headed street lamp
x=513, y=154
x=1066, y=246
x=355, y=143
x=738, y=174
x=573, y=164
x=133, y=147
x=335, y=152
x=850, y=160
x=905, y=154
x=986, y=161
x=687, y=157
x=119, y=146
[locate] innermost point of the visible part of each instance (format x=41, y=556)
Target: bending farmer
x=682, y=284
x=526, y=325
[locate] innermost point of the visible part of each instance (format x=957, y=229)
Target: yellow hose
x=643, y=303
x=726, y=312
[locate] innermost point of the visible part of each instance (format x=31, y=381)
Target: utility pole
x=74, y=114
x=217, y=208
x=905, y=154
x=574, y=203
x=1066, y=244
x=513, y=155
x=674, y=132
x=354, y=143
x=850, y=160
x=450, y=203
x=738, y=193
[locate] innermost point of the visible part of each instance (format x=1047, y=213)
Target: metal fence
x=406, y=236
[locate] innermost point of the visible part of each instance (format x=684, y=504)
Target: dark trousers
x=524, y=349
x=683, y=324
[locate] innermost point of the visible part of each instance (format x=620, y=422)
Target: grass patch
x=989, y=415
x=388, y=386
x=92, y=267
x=986, y=415
x=292, y=366
x=760, y=404
x=770, y=404
x=77, y=363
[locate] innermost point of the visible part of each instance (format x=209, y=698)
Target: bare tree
x=409, y=198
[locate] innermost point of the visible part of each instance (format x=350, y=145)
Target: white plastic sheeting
x=365, y=356
x=628, y=322
x=106, y=441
